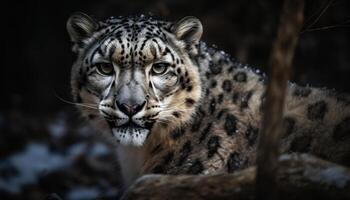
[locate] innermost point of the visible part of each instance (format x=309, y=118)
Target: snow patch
x=58, y=128
x=80, y=193
x=77, y=149
x=35, y=160
x=99, y=149
x=332, y=176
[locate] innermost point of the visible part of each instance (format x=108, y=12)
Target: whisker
x=91, y=106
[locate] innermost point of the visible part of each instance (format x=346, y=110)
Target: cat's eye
x=160, y=68
x=105, y=69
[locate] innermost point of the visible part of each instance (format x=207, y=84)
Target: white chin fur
x=130, y=136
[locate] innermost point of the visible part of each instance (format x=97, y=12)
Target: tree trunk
x=280, y=64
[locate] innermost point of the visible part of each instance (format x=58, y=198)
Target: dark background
x=36, y=127
x=37, y=62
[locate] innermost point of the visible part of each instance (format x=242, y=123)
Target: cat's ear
x=80, y=26
x=188, y=29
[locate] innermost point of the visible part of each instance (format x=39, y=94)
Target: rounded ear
x=189, y=29
x=80, y=26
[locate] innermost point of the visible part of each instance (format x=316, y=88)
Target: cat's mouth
x=130, y=133
x=131, y=125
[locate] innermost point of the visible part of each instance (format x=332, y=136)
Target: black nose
x=130, y=109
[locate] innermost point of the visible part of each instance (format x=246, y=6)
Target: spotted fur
x=202, y=115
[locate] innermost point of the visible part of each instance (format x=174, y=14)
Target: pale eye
x=160, y=68
x=105, y=69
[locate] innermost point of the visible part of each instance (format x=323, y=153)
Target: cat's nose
x=129, y=108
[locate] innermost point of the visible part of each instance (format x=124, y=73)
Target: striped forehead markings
x=159, y=48
x=132, y=51
x=131, y=31
x=105, y=37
